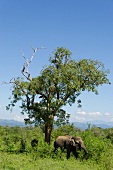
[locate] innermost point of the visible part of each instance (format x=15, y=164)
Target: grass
x=32, y=161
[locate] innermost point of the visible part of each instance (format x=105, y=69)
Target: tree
x=59, y=84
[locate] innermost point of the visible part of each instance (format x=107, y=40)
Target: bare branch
x=14, y=81
x=27, y=77
x=9, y=81
x=66, y=59
x=25, y=70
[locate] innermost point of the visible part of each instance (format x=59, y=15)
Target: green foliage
x=109, y=134
x=22, y=145
x=62, y=118
x=65, y=129
x=97, y=131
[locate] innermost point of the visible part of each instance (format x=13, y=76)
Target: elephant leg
x=55, y=146
x=68, y=153
x=79, y=146
x=54, y=150
x=75, y=154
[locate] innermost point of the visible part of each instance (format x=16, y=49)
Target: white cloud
x=94, y=113
x=77, y=119
x=97, y=113
x=82, y=116
x=107, y=114
x=111, y=120
x=81, y=112
x=19, y=118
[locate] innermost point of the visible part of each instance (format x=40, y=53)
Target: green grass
x=33, y=162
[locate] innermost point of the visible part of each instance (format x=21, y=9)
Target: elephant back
x=63, y=138
x=62, y=141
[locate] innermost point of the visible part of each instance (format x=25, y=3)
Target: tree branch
x=25, y=70
x=14, y=81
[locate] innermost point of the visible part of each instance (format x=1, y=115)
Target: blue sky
x=85, y=27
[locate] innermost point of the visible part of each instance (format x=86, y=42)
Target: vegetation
x=58, y=84
x=16, y=152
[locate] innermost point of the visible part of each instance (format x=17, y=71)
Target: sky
x=85, y=27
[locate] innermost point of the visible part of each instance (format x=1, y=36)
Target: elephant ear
x=79, y=144
x=76, y=140
x=72, y=142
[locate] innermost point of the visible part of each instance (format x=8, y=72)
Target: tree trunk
x=48, y=130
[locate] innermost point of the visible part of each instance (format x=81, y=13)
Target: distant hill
x=5, y=122
x=102, y=124
x=80, y=125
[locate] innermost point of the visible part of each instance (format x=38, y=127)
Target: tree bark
x=48, y=130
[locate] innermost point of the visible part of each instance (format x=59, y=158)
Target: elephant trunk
x=83, y=147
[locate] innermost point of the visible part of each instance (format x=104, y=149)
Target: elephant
x=71, y=144
x=34, y=143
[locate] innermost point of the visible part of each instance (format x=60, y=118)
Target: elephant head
x=78, y=140
x=74, y=144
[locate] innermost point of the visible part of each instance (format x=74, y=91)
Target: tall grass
x=29, y=162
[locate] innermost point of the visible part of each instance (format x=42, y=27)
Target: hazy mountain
x=5, y=122
x=102, y=124
x=81, y=125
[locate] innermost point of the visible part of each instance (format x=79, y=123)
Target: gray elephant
x=71, y=144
